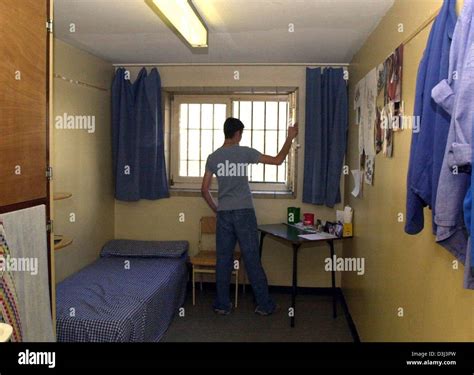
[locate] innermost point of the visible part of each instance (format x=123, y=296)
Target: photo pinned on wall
x=389, y=102
x=357, y=100
x=380, y=103
x=387, y=130
x=394, y=83
x=369, y=170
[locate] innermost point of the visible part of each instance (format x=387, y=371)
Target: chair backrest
x=207, y=226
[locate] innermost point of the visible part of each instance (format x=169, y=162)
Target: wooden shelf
x=60, y=196
x=61, y=242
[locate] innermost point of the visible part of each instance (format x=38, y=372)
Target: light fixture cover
x=183, y=18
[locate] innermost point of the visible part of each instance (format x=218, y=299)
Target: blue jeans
x=241, y=226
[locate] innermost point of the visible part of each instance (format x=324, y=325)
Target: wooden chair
x=204, y=262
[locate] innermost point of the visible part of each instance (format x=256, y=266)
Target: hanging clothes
x=138, y=137
x=429, y=140
x=456, y=96
x=325, y=135
x=468, y=215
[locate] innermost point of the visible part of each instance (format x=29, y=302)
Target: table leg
x=295, y=283
x=260, y=248
x=333, y=281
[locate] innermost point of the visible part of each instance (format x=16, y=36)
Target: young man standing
x=236, y=220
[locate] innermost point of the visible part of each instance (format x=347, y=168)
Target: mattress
x=121, y=299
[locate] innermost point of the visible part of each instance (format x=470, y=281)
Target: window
x=266, y=123
x=197, y=131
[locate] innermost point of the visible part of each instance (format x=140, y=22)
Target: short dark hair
x=231, y=126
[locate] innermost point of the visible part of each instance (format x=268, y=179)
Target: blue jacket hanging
x=429, y=140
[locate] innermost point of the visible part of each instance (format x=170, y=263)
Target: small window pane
x=235, y=109
x=246, y=138
x=194, y=116
x=246, y=114
x=219, y=116
x=282, y=172
x=259, y=140
x=194, y=169
x=271, y=144
x=183, y=116
x=271, y=112
x=183, y=168
x=218, y=139
x=207, y=116
x=258, y=115
x=193, y=145
x=283, y=115
x=281, y=139
x=270, y=173
x=257, y=172
x=206, y=144
x=183, y=144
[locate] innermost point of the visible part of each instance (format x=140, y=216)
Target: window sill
x=255, y=194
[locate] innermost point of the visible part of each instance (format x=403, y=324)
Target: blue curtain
x=325, y=135
x=138, y=137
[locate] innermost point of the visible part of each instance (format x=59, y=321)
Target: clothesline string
x=76, y=82
x=420, y=28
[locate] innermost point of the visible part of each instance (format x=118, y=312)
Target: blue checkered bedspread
x=121, y=299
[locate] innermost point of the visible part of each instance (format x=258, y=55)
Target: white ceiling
x=128, y=31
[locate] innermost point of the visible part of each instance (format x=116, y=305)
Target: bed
x=130, y=294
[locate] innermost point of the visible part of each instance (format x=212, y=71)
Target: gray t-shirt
x=230, y=165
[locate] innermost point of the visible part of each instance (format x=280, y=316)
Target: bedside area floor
x=314, y=321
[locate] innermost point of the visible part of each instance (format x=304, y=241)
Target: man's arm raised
x=280, y=158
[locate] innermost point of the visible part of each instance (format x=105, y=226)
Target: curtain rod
x=232, y=64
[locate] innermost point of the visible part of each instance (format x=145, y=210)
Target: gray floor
x=314, y=322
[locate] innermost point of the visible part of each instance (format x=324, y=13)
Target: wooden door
x=23, y=103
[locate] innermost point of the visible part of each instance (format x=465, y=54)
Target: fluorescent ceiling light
x=183, y=18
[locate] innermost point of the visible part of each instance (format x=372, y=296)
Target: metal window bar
x=278, y=138
x=187, y=140
x=251, y=135
x=264, y=135
x=200, y=139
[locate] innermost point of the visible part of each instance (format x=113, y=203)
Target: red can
x=308, y=219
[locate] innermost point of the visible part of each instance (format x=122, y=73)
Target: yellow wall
x=82, y=161
x=411, y=272
x=159, y=219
